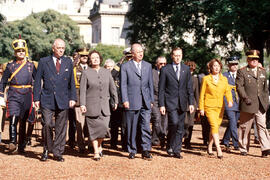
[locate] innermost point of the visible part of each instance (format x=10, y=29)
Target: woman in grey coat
x=96, y=89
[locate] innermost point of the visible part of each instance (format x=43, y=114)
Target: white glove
x=2, y=102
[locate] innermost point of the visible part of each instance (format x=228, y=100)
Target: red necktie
x=58, y=65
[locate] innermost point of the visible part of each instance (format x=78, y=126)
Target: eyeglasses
x=162, y=63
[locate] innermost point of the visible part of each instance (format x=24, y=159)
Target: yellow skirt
x=214, y=117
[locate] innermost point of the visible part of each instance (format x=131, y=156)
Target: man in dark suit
x=55, y=93
x=233, y=113
x=137, y=96
x=175, y=92
x=159, y=122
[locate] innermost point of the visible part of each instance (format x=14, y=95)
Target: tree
x=2, y=18
x=40, y=30
x=161, y=24
x=110, y=51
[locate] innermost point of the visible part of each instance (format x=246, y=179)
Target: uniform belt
x=21, y=86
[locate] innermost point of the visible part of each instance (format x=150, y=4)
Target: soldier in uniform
x=80, y=118
x=19, y=75
x=251, y=83
x=233, y=113
x=117, y=117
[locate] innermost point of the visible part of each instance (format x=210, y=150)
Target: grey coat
x=96, y=89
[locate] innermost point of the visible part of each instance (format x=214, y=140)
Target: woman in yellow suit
x=214, y=87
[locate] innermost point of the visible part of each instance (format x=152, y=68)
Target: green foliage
x=109, y=52
x=160, y=26
x=40, y=30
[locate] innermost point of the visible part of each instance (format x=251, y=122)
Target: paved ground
x=115, y=165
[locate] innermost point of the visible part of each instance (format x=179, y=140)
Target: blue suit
x=57, y=89
x=137, y=89
x=175, y=94
x=233, y=115
x=54, y=91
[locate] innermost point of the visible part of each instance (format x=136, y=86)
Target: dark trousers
x=116, y=122
x=231, y=130
x=71, y=126
x=56, y=146
x=176, y=121
x=133, y=119
x=159, y=125
x=205, y=129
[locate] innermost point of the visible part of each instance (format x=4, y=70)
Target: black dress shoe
x=44, y=156
x=243, y=153
x=59, y=158
x=210, y=153
x=178, y=156
x=96, y=156
x=265, y=153
x=101, y=153
x=220, y=157
x=187, y=146
x=170, y=153
x=21, y=150
x=131, y=156
x=227, y=148
x=146, y=155
x=82, y=151
x=256, y=141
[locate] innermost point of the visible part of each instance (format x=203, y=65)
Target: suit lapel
x=182, y=73
x=51, y=65
x=143, y=69
x=230, y=79
x=133, y=67
x=63, y=66
x=172, y=72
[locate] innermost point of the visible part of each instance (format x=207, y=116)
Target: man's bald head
x=58, y=48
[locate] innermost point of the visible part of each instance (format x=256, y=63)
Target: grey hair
x=109, y=61
x=160, y=57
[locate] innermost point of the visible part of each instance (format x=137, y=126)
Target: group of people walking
x=131, y=95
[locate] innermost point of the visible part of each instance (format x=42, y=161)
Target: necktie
x=177, y=72
x=139, y=68
x=84, y=67
x=233, y=76
x=58, y=65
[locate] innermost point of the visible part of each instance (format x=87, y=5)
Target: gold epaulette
x=117, y=68
x=5, y=65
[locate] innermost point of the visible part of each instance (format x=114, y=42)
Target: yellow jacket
x=212, y=94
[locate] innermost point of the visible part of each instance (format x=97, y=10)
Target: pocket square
x=66, y=69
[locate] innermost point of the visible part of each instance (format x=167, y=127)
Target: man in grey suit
x=159, y=122
x=55, y=93
x=175, y=93
x=137, y=97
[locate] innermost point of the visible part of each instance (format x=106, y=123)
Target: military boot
x=29, y=132
x=13, y=121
